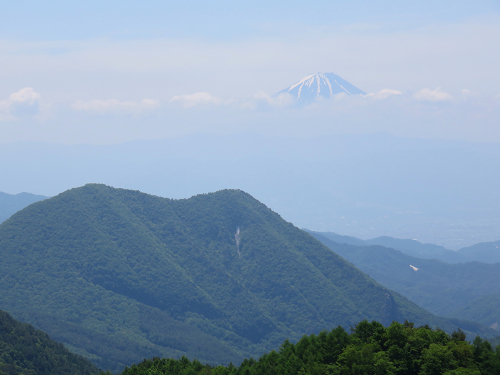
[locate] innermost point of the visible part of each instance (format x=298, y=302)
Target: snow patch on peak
x=301, y=82
x=326, y=85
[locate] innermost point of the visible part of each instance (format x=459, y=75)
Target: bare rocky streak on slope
x=157, y=276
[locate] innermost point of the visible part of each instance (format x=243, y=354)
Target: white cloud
x=115, y=106
x=436, y=95
x=198, y=98
x=22, y=102
x=26, y=95
x=383, y=94
x=260, y=100
x=275, y=101
x=466, y=92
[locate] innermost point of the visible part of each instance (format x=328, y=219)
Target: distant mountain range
x=120, y=275
x=410, y=247
x=485, y=252
x=488, y=252
x=464, y=290
x=320, y=85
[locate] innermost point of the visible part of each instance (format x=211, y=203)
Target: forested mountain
x=488, y=252
x=410, y=247
x=119, y=275
x=439, y=287
x=24, y=350
x=10, y=204
x=370, y=349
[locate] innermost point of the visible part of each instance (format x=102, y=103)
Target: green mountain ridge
x=24, y=350
x=120, y=275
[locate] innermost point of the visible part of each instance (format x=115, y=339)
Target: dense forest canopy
x=26, y=351
x=370, y=349
x=119, y=275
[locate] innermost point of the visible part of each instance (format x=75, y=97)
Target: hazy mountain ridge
x=442, y=288
x=115, y=263
x=409, y=247
x=10, y=204
x=482, y=252
x=485, y=252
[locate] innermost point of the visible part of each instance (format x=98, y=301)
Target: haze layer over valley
x=441, y=192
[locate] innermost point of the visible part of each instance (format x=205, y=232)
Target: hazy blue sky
x=112, y=71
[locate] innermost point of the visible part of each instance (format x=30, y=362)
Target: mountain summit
x=325, y=85
x=120, y=275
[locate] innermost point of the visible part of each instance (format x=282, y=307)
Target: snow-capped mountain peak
x=320, y=84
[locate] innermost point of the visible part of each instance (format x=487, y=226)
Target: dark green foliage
x=24, y=350
x=441, y=288
x=495, y=341
x=370, y=349
x=119, y=275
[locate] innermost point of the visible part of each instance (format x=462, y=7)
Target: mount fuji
x=323, y=85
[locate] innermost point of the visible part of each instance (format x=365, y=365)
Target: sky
x=106, y=72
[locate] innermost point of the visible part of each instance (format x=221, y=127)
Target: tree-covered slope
x=370, y=349
x=485, y=310
x=24, y=350
x=10, y=204
x=120, y=275
x=439, y=287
